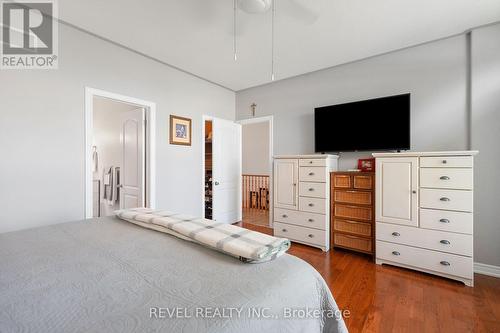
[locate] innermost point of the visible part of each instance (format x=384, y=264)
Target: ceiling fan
x=294, y=8
x=299, y=9
x=254, y=6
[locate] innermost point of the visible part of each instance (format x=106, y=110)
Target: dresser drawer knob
x=414, y=192
x=284, y=230
x=445, y=263
x=284, y=216
x=310, y=220
x=311, y=189
x=444, y=241
x=444, y=178
x=311, y=173
x=310, y=162
x=444, y=199
x=311, y=205
x=444, y=161
x=396, y=234
x=444, y=221
x=310, y=235
x=396, y=253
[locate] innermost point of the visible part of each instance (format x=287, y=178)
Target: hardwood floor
x=256, y=216
x=391, y=299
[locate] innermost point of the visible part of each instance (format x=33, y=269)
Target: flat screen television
x=374, y=124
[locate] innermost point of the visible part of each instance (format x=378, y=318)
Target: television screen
x=375, y=124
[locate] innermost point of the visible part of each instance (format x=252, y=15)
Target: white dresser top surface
x=428, y=153
x=320, y=156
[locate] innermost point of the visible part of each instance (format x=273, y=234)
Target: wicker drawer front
x=353, y=227
x=363, y=182
x=342, y=181
x=359, y=213
x=353, y=242
x=353, y=197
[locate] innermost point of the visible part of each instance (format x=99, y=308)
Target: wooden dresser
x=353, y=211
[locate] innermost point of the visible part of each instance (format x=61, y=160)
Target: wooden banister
x=255, y=191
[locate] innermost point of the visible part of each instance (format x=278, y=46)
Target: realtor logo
x=29, y=35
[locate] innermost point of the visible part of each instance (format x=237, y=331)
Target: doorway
x=221, y=169
x=257, y=154
x=119, y=153
x=208, y=170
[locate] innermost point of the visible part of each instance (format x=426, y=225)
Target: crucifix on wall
x=252, y=107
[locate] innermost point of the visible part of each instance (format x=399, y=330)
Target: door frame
x=150, y=127
x=270, y=120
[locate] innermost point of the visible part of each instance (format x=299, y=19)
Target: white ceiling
x=196, y=35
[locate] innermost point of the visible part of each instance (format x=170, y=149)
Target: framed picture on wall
x=180, y=131
x=366, y=164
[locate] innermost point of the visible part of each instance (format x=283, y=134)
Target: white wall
x=255, y=148
x=42, y=129
x=436, y=76
x=486, y=139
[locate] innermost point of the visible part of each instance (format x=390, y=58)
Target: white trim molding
x=486, y=269
x=150, y=108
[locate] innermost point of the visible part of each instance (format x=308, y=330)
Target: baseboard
x=486, y=269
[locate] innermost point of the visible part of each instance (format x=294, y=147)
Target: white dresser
x=424, y=212
x=302, y=198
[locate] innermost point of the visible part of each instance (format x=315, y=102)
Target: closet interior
x=208, y=170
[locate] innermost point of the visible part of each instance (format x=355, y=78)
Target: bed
x=108, y=275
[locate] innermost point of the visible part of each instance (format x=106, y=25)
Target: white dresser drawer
x=424, y=238
x=319, y=162
x=435, y=261
x=305, y=219
x=312, y=174
x=312, y=205
x=315, y=190
x=446, y=162
x=444, y=220
x=459, y=200
x=453, y=178
x=300, y=234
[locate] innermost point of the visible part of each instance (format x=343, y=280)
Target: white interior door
x=226, y=164
x=132, y=170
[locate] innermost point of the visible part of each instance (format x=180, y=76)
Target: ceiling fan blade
x=254, y=6
x=308, y=14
